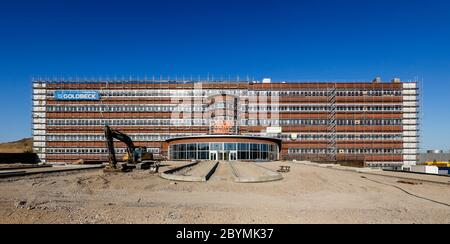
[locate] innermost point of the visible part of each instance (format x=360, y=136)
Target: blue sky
x=285, y=40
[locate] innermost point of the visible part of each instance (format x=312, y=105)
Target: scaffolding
x=331, y=124
x=346, y=108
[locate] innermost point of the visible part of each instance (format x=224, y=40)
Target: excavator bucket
x=154, y=169
x=123, y=168
x=152, y=166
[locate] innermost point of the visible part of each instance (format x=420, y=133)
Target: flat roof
x=276, y=140
x=246, y=82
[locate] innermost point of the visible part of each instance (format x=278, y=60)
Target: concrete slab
x=378, y=172
x=23, y=167
x=196, y=172
x=54, y=169
x=246, y=172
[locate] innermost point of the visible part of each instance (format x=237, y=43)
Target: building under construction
x=375, y=122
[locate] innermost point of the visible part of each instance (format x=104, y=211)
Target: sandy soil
x=307, y=195
x=24, y=145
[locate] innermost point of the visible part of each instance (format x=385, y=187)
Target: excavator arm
x=138, y=157
x=110, y=135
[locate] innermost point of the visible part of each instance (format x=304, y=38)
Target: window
x=230, y=146
x=245, y=151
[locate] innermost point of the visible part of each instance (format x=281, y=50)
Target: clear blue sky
x=285, y=40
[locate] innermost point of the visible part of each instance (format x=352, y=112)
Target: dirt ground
x=308, y=194
x=24, y=145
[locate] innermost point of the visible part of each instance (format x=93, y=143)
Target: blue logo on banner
x=77, y=95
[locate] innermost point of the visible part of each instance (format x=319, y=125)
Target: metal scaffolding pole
x=332, y=138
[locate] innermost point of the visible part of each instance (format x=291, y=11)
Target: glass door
x=226, y=156
x=233, y=156
x=213, y=155
x=223, y=156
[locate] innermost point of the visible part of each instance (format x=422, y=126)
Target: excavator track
x=136, y=157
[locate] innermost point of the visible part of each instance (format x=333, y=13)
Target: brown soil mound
x=24, y=145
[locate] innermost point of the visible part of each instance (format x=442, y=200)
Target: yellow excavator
x=135, y=157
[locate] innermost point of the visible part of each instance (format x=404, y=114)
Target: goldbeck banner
x=77, y=95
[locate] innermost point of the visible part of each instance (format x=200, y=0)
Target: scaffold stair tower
x=332, y=135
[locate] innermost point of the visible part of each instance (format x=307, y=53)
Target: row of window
x=385, y=165
x=208, y=92
x=346, y=137
x=220, y=146
x=136, y=138
x=166, y=93
x=342, y=93
x=321, y=122
x=223, y=105
x=164, y=137
x=127, y=122
x=126, y=108
x=224, y=151
x=92, y=150
x=249, y=149
x=315, y=108
x=201, y=108
x=204, y=122
x=346, y=151
x=345, y=122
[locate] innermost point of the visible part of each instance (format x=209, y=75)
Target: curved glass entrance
x=224, y=151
